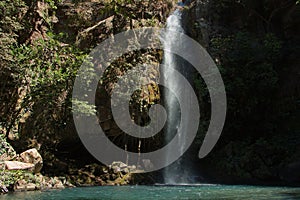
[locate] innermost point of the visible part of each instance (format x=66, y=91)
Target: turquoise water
x=162, y=192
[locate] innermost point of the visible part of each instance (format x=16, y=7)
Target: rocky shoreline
x=42, y=150
x=22, y=172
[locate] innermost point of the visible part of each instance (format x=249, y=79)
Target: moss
x=7, y=152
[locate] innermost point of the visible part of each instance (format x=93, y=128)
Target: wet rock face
x=197, y=21
x=147, y=65
x=236, y=158
x=207, y=18
x=117, y=173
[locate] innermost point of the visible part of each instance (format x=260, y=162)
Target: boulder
x=32, y=156
x=16, y=165
x=59, y=185
x=122, y=167
x=119, y=167
x=22, y=185
x=3, y=188
x=30, y=186
x=132, y=168
x=148, y=165
x=55, y=183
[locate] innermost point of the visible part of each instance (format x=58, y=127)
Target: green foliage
x=42, y=73
x=9, y=178
x=6, y=150
x=120, y=7
x=53, y=3
x=83, y=107
x=49, y=70
x=9, y=26
x=248, y=66
x=10, y=14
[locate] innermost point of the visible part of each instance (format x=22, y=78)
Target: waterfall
x=175, y=173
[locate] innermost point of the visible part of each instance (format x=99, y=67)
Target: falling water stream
x=173, y=63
